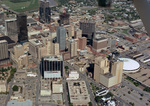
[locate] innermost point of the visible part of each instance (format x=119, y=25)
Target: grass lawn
x=21, y=6
x=125, y=31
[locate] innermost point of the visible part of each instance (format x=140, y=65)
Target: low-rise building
x=73, y=75
x=78, y=93
x=45, y=87
x=2, y=86
x=57, y=86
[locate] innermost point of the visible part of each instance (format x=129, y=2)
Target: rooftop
x=18, y=103
x=7, y=39
x=78, y=91
x=54, y=58
x=31, y=20
x=52, y=3
x=35, y=42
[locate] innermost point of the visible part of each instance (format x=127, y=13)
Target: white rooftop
x=130, y=64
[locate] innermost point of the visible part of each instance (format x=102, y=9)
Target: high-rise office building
x=11, y=29
x=78, y=33
x=82, y=43
x=99, y=43
x=3, y=51
x=88, y=30
x=52, y=67
x=61, y=37
x=34, y=49
x=104, y=3
x=108, y=72
x=72, y=47
x=71, y=31
x=45, y=11
x=64, y=19
x=22, y=27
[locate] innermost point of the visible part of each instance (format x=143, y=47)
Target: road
x=83, y=77
x=10, y=91
x=130, y=85
x=38, y=83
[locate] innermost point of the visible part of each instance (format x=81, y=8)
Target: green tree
x=66, y=67
x=90, y=104
x=15, y=88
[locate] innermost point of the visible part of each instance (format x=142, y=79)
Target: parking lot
x=130, y=95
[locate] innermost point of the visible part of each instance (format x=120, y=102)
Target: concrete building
x=56, y=49
x=88, y=30
x=52, y=67
x=72, y=47
x=57, y=87
x=11, y=43
x=22, y=61
x=22, y=27
x=34, y=46
x=71, y=31
x=2, y=86
x=2, y=20
x=82, y=43
x=78, y=33
x=78, y=93
x=45, y=87
x=73, y=75
x=18, y=51
x=61, y=37
x=18, y=56
x=100, y=43
x=108, y=72
x=64, y=19
x=3, y=52
x=20, y=103
x=11, y=29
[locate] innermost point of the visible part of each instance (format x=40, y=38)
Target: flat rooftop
x=7, y=39
x=35, y=42
x=52, y=3
x=18, y=103
x=31, y=20
x=78, y=92
x=54, y=58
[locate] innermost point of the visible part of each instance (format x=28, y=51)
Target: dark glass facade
x=52, y=66
x=22, y=27
x=44, y=12
x=64, y=19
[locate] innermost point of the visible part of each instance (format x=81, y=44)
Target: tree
x=90, y=104
x=15, y=88
x=66, y=67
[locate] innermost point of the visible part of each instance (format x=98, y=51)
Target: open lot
x=21, y=6
x=142, y=76
x=131, y=96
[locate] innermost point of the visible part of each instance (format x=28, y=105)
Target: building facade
x=64, y=19
x=61, y=37
x=82, y=43
x=52, y=67
x=108, y=72
x=11, y=29
x=22, y=27
x=3, y=51
x=88, y=30
x=100, y=44
x=45, y=11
